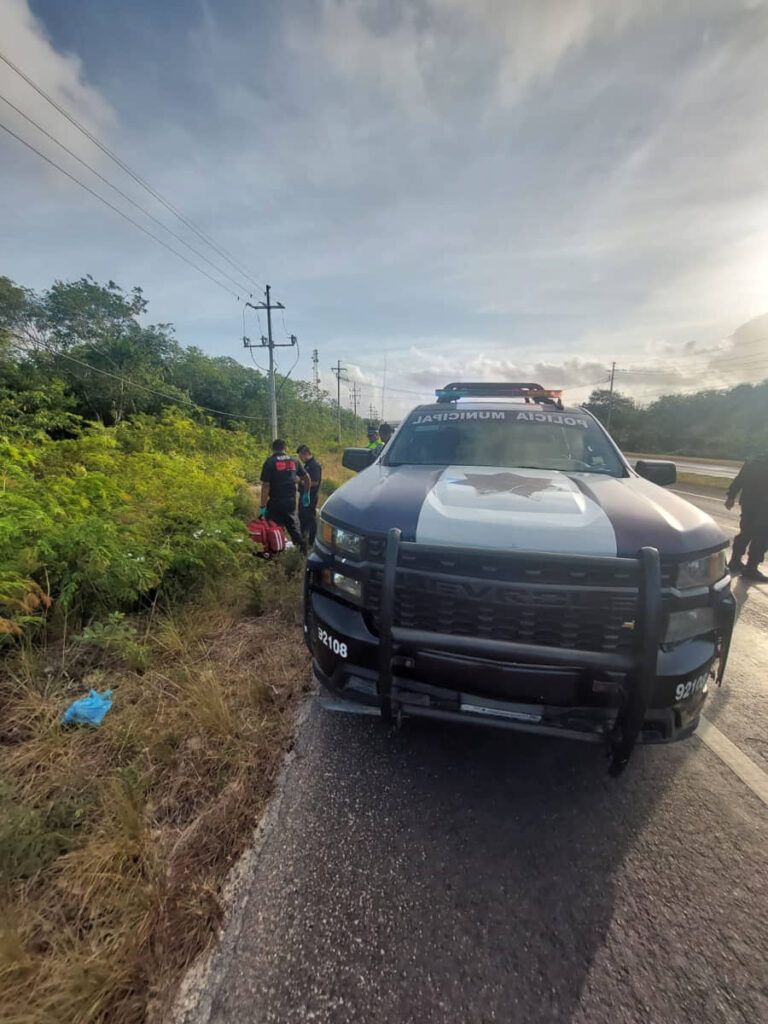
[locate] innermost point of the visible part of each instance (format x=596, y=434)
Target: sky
x=436, y=189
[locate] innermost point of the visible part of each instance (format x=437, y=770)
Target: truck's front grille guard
x=446, y=597
x=638, y=665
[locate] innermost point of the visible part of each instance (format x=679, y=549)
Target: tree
x=84, y=312
x=90, y=335
x=87, y=343
x=623, y=420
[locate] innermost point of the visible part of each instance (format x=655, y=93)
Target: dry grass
x=114, y=842
x=334, y=474
x=711, y=483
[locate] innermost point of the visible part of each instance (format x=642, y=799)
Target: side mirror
x=657, y=471
x=358, y=459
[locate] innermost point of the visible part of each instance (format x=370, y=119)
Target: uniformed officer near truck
x=280, y=476
x=751, y=489
x=374, y=441
x=309, y=495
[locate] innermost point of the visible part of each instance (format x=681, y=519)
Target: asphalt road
x=706, y=468
x=457, y=875
x=719, y=469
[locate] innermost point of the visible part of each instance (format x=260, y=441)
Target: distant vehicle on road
x=501, y=563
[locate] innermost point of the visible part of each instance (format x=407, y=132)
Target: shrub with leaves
x=100, y=521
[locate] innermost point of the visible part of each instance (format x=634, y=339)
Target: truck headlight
x=340, y=541
x=701, y=572
x=348, y=543
x=690, y=623
x=346, y=586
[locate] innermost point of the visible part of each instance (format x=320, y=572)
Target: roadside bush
x=97, y=522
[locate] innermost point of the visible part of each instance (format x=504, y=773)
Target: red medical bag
x=269, y=537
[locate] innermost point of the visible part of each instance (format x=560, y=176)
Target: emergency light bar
x=529, y=391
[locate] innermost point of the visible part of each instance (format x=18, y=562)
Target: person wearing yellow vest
x=375, y=443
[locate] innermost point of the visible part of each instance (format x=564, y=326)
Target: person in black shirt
x=309, y=494
x=751, y=487
x=279, y=476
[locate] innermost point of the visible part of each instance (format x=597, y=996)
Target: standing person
x=751, y=487
x=309, y=494
x=385, y=432
x=374, y=441
x=279, y=477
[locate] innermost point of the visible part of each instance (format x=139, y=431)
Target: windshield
x=505, y=437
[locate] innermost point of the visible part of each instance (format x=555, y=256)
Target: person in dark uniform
x=279, y=477
x=385, y=432
x=751, y=488
x=309, y=495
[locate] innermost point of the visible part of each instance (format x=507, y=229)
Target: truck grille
x=510, y=598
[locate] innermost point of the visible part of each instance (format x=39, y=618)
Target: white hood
x=526, y=509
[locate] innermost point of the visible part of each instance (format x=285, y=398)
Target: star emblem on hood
x=506, y=483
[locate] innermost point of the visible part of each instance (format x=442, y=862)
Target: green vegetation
x=125, y=564
x=727, y=424
x=117, y=489
x=127, y=465
x=710, y=483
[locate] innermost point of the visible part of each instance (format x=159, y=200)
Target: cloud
x=422, y=54
x=744, y=355
x=27, y=44
x=474, y=188
x=537, y=36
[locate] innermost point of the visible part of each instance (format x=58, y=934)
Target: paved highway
x=719, y=469
x=706, y=468
x=462, y=876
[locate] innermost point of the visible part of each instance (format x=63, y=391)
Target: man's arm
x=315, y=475
x=265, y=480
x=735, y=488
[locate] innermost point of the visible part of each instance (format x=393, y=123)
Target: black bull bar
x=638, y=665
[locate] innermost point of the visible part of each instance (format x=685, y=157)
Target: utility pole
x=269, y=343
x=316, y=372
x=354, y=394
x=340, y=373
x=383, y=386
x=372, y=412
x=610, y=397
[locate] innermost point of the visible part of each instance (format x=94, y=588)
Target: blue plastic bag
x=305, y=499
x=88, y=710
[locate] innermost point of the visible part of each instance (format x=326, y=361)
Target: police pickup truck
x=500, y=562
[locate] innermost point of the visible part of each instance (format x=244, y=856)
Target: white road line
x=741, y=765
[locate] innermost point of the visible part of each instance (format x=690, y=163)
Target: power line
x=179, y=238
x=341, y=374
x=755, y=361
x=258, y=366
x=144, y=387
x=285, y=326
x=118, y=211
x=355, y=393
x=271, y=344
x=575, y=387
x=285, y=376
x=136, y=177
x=645, y=373
x=247, y=342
